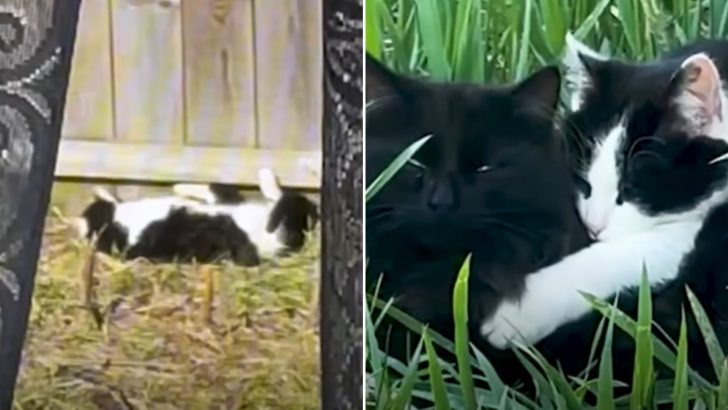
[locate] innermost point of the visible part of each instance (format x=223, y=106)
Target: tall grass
x=504, y=40
x=498, y=41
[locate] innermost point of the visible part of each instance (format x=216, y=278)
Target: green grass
x=501, y=41
x=248, y=342
x=504, y=40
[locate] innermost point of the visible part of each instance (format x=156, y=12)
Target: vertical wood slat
x=219, y=66
x=147, y=58
x=288, y=73
x=89, y=111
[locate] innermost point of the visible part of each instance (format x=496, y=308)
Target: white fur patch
x=552, y=295
x=602, y=176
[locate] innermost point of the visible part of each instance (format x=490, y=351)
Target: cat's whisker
x=652, y=154
x=511, y=227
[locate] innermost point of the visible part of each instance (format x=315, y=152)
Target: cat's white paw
x=514, y=321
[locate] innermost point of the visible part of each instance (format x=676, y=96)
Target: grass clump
x=147, y=336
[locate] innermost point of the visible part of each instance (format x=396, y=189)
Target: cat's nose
x=442, y=196
x=595, y=228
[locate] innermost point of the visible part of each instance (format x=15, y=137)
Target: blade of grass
x=591, y=20
x=394, y=167
x=706, y=330
x=715, y=10
x=545, y=389
x=552, y=17
x=629, y=326
x=437, y=383
x=605, y=384
x=593, y=349
x=373, y=45
x=412, y=324
x=460, y=312
x=643, y=365
x=723, y=386
x=630, y=25
x=564, y=390
x=431, y=29
x=523, y=59
x=680, y=386
x=404, y=394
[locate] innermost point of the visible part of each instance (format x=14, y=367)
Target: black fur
x=109, y=236
x=293, y=216
x=226, y=194
x=514, y=218
x=185, y=236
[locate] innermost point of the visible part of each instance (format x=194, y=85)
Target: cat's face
x=493, y=159
x=644, y=136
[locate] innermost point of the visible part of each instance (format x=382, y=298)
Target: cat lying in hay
x=202, y=223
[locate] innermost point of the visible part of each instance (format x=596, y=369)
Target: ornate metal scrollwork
x=24, y=67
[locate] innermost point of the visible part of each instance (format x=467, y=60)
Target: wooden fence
x=182, y=90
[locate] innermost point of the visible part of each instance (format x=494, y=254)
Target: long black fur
x=514, y=218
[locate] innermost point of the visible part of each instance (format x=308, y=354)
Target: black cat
x=493, y=180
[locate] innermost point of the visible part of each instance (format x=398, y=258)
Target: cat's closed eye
x=583, y=185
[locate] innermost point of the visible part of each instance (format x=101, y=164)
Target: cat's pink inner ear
x=703, y=82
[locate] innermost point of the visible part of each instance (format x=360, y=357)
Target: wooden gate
x=195, y=90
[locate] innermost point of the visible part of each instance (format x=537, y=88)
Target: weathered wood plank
x=147, y=61
x=176, y=163
x=288, y=72
x=89, y=111
x=219, y=74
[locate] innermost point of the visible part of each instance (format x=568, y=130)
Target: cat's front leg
x=553, y=295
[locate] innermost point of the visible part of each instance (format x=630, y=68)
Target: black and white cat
x=202, y=223
x=645, y=139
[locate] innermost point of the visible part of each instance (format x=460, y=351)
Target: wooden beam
x=179, y=163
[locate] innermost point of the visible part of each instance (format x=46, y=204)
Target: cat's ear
x=698, y=94
x=101, y=194
x=383, y=82
x=540, y=90
x=580, y=63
